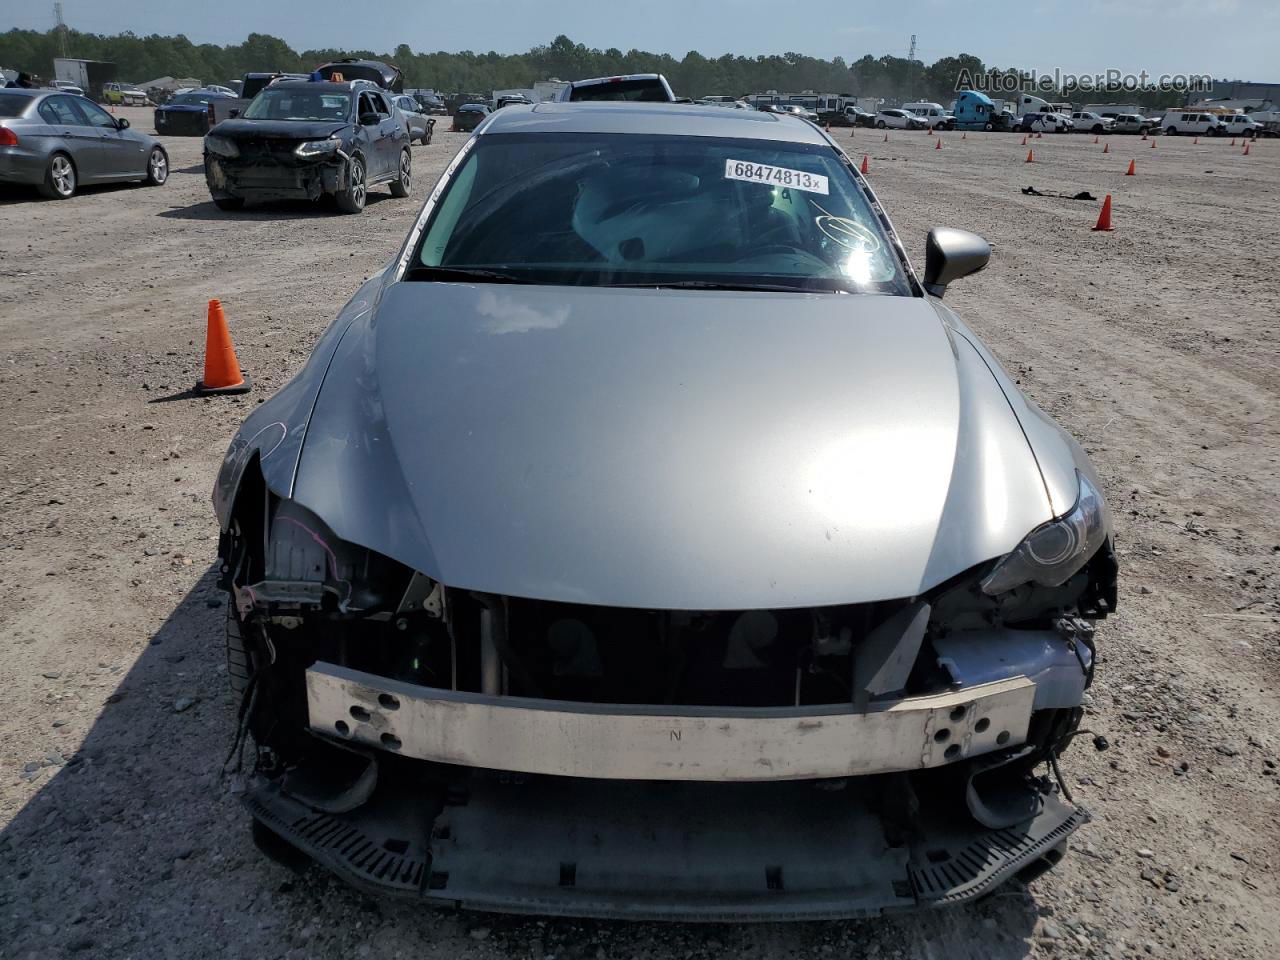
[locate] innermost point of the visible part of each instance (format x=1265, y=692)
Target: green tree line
x=139, y=59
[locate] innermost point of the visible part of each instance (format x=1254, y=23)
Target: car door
x=392, y=132
x=68, y=123
x=123, y=155
x=374, y=135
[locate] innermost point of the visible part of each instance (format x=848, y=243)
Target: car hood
x=182, y=108
x=667, y=449
x=290, y=129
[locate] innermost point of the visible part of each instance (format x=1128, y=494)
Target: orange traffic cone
x=1030, y=157
x=1024, y=139
x=1153, y=144
x=1106, y=148
x=1132, y=168
x=964, y=136
x=1144, y=136
x=1195, y=141
x=826, y=127
x=866, y=164
x=937, y=144
x=1246, y=149
x=1233, y=141
x=886, y=138
x=1039, y=136
x=221, y=369
x=1095, y=138
x=1104, y=218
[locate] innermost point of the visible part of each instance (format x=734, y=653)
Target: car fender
x=273, y=434
x=1056, y=452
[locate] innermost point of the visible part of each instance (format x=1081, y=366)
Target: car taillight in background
x=8, y=138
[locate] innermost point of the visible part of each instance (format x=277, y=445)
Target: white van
x=1242, y=125
x=931, y=113
x=1191, y=121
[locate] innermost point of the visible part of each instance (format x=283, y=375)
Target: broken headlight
x=1052, y=552
x=221, y=146
x=315, y=148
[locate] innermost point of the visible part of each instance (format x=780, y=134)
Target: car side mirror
x=369, y=119
x=950, y=254
x=233, y=113
x=122, y=123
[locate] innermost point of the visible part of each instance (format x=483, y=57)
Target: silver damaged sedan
x=650, y=540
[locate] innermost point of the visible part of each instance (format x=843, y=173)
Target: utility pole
x=62, y=27
x=911, y=54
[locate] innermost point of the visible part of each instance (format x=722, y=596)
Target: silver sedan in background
x=418, y=124
x=56, y=142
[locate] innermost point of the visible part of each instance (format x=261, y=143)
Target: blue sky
x=1234, y=38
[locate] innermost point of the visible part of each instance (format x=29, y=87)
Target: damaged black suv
x=304, y=139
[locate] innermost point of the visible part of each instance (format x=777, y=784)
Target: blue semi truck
x=977, y=111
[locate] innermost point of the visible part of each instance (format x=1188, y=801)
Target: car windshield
x=299, y=103
x=649, y=90
x=653, y=210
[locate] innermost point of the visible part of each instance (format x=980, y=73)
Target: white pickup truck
x=1086, y=121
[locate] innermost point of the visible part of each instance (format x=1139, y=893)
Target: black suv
x=304, y=139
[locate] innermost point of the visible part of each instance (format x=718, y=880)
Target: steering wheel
x=848, y=233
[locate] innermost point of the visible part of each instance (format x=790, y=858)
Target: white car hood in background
x=667, y=449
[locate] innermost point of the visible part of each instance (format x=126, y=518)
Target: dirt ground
x=1156, y=345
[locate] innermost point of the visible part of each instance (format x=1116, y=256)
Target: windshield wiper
x=724, y=285
x=476, y=274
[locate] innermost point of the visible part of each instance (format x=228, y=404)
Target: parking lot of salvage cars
x=1156, y=344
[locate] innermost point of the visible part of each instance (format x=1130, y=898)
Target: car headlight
x=221, y=146
x=1053, y=551
x=316, y=148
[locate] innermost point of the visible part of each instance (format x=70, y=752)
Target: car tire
x=1172, y=131
x=1097, y=128
x=230, y=204
x=157, y=168
x=352, y=199
x=880, y=124
x=401, y=185
x=59, y=178
x=988, y=126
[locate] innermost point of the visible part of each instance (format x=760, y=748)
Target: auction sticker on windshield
x=774, y=176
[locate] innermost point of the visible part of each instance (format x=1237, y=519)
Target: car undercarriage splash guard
x=672, y=851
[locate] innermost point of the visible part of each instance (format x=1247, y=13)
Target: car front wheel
x=400, y=185
x=880, y=124
x=59, y=178
x=351, y=200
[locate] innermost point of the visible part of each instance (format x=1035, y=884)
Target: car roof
x=27, y=92
x=672, y=119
